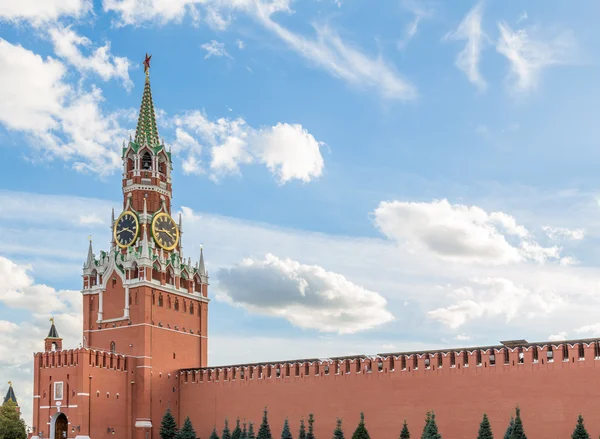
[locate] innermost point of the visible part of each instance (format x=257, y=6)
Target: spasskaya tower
x=142, y=299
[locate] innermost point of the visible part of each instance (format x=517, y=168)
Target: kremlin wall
x=145, y=342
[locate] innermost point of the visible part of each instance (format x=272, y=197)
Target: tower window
x=192, y=308
x=146, y=162
x=176, y=305
x=160, y=300
x=113, y=347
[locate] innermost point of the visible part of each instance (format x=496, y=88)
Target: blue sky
x=430, y=165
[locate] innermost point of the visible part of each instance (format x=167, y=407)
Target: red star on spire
x=147, y=63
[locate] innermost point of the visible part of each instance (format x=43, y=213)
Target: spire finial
x=10, y=384
x=147, y=66
x=52, y=320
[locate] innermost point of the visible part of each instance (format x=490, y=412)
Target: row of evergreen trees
x=515, y=429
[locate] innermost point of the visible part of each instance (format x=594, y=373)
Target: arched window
x=169, y=302
x=129, y=164
x=191, y=308
x=147, y=161
x=113, y=347
x=176, y=304
x=160, y=300
x=170, y=277
x=134, y=271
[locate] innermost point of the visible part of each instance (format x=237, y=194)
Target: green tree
x=244, y=432
x=405, y=434
x=286, y=433
x=580, y=432
x=237, y=431
x=214, y=434
x=518, y=432
x=226, y=433
x=251, y=431
x=431, y=429
x=302, y=433
x=361, y=431
x=427, y=421
x=168, y=426
x=509, y=429
x=187, y=431
x=11, y=424
x=311, y=427
x=338, y=433
x=485, y=429
x=264, y=431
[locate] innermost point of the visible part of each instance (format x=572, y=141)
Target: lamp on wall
x=110, y=430
x=75, y=427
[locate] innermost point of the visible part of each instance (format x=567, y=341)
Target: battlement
x=74, y=357
x=508, y=355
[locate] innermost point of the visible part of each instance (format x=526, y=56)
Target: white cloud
x=522, y=16
x=592, y=330
x=68, y=44
x=420, y=11
x=560, y=233
x=42, y=12
x=558, y=337
x=308, y=296
x=457, y=232
x=327, y=50
x=462, y=337
x=495, y=297
x=529, y=56
x=240, y=44
x=468, y=59
x=288, y=151
x=214, y=48
x=62, y=122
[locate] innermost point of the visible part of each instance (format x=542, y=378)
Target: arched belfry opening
x=146, y=161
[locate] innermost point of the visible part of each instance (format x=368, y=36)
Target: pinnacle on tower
x=10, y=394
x=146, y=130
x=53, y=342
x=201, y=268
x=89, y=262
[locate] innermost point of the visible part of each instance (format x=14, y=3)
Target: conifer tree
x=226, y=432
x=168, y=426
x=286, y=433
x=518, y=432
x=214, y=434
x=251, y=431
x=187, y=431
x=237, y=431
x=405, y=434
x=338, y=433
x=427, y=421
x=302, y=433
x=264, y=431
x=361, y=431
x=431, y=430
x=509, y=430
x=580, y=432
x=244, y=432
x=485, y=429
x=311, y=421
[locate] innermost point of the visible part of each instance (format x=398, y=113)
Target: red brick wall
x=551, y=396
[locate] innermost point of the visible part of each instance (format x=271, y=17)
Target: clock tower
x=142, y=299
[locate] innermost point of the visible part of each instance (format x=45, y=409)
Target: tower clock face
x=126, y=229
x=165, y=232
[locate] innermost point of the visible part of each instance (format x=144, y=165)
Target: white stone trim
x=83, y=394
x=147, y=367
x=145, y=324
x=143, y=424
x=143, y=187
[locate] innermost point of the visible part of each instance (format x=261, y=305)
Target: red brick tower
x=142, y=299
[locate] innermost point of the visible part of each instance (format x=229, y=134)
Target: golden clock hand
x=123, y=230
x=163, y=230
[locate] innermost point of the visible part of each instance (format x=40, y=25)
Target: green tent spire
x=146, y=130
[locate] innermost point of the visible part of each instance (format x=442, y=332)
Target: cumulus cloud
x=558, y=337
x=214, y=48
x=492, y=297
x=529, y=56
x=461, y=233
x=307, y=296
x=68, y=45
x=468, y=59
x=289, y=151
x=562, y=233
x=42, y=12
x=63, y=122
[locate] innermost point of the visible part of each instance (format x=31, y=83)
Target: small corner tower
x=52, y=342
x=10, y=396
